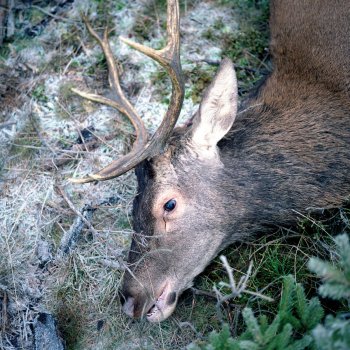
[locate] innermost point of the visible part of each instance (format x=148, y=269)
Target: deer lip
x=160, y=310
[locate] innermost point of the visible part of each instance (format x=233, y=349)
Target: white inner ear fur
x=217, y=111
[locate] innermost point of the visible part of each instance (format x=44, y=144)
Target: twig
x=69, y=239
x=312, y=220
x=83, y=217
x=4, y=313
x=192, y=327
x=71, y=205
x=113, y=264
x=60, y=18
x=6, y=124
x=62, y=157
x=205, y=293
x=259, y=295
x=237, y=289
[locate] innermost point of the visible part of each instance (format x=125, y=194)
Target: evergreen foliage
x=297, y=323
x=335, y=332
x=296, y=315
x=333, y=335
x=218, y=341
x=336, y=278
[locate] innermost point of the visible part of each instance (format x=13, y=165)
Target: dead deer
x=232, y=174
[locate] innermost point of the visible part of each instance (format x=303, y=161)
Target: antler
x=169, y=59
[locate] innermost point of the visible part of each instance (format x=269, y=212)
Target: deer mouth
x=163, y=306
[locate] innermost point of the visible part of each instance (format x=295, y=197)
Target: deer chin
x=164, y=306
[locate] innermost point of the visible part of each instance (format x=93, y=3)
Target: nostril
x=122, y=297
x=128, y=306
x=171, y=298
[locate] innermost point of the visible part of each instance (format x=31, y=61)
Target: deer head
x=177, y=211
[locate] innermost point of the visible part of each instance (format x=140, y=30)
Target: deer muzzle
x=157, y=308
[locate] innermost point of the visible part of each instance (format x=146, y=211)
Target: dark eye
x=170, y=205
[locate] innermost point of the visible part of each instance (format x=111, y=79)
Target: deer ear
x=217, y=110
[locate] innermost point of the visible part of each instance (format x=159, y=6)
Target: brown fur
x=288, y=150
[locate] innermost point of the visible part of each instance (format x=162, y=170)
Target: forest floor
x=48, y=134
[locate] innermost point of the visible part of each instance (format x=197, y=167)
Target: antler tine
x=169, y=59
x=119, y=101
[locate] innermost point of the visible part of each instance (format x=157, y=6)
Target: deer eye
x=170, y=205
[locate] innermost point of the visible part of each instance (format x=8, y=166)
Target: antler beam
x=169, y=59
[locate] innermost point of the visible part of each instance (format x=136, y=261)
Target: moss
x=200, y=78
x=69, y=37
x=248, y=46
x=65, y=91
x=142, y=27
x=39, y=93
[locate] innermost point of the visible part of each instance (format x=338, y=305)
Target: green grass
x=105, y=10
x=71, y=321
x=35, y=16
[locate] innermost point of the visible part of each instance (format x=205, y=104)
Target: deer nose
x=128, y=306
x=128, y=303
